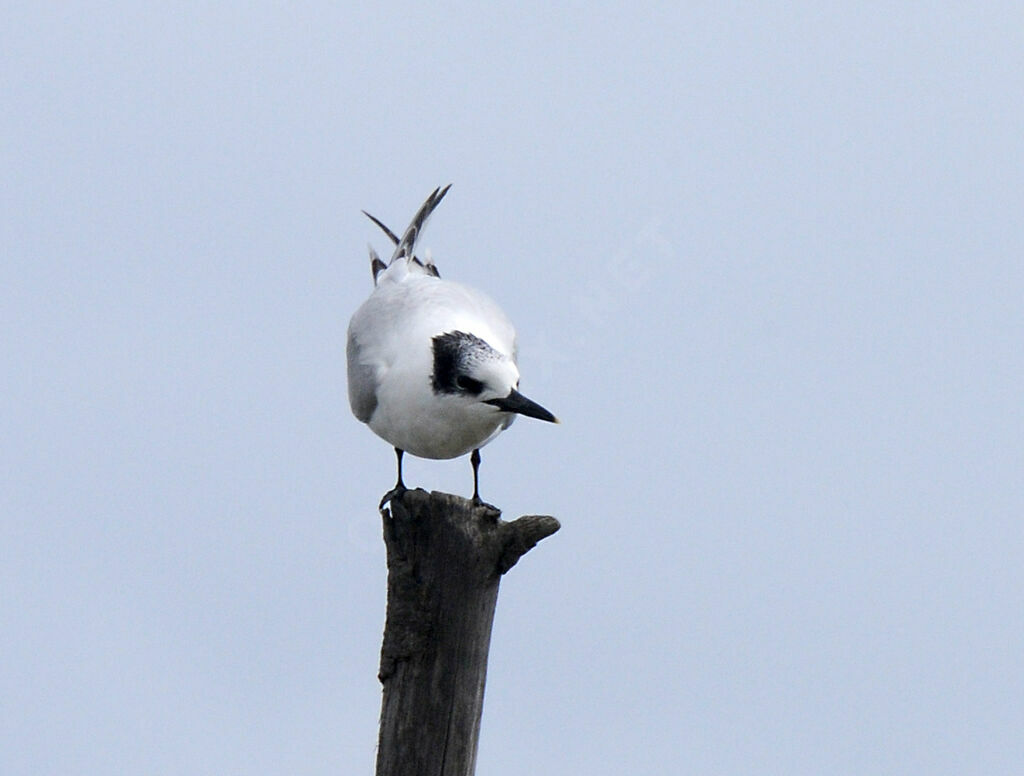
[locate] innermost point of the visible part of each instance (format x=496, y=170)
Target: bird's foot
x=479, y=503
x=395, y=492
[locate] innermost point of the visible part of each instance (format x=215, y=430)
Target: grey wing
x=362, y=382
x=407, y=245
x=377, y=266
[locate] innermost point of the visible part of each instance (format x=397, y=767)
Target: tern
x=432, y=363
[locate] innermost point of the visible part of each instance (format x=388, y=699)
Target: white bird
x=432, y=363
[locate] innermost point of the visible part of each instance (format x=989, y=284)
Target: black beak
x=516, y=402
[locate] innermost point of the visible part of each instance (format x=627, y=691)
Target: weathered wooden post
x=445, y=558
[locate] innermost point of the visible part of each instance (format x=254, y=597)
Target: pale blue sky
x=766, y=266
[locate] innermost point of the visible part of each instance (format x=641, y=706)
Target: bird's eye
x=468, y=384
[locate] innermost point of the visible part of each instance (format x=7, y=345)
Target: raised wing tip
x=393, y=237
x=407, y=245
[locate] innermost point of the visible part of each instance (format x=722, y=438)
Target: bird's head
x=469, y=370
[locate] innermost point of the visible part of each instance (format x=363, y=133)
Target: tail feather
x=428, y=265
x=376, y=265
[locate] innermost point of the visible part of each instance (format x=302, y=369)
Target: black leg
x=399, y=488
x=474, y=459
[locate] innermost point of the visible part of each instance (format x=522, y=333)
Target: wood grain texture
x=445, y=559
